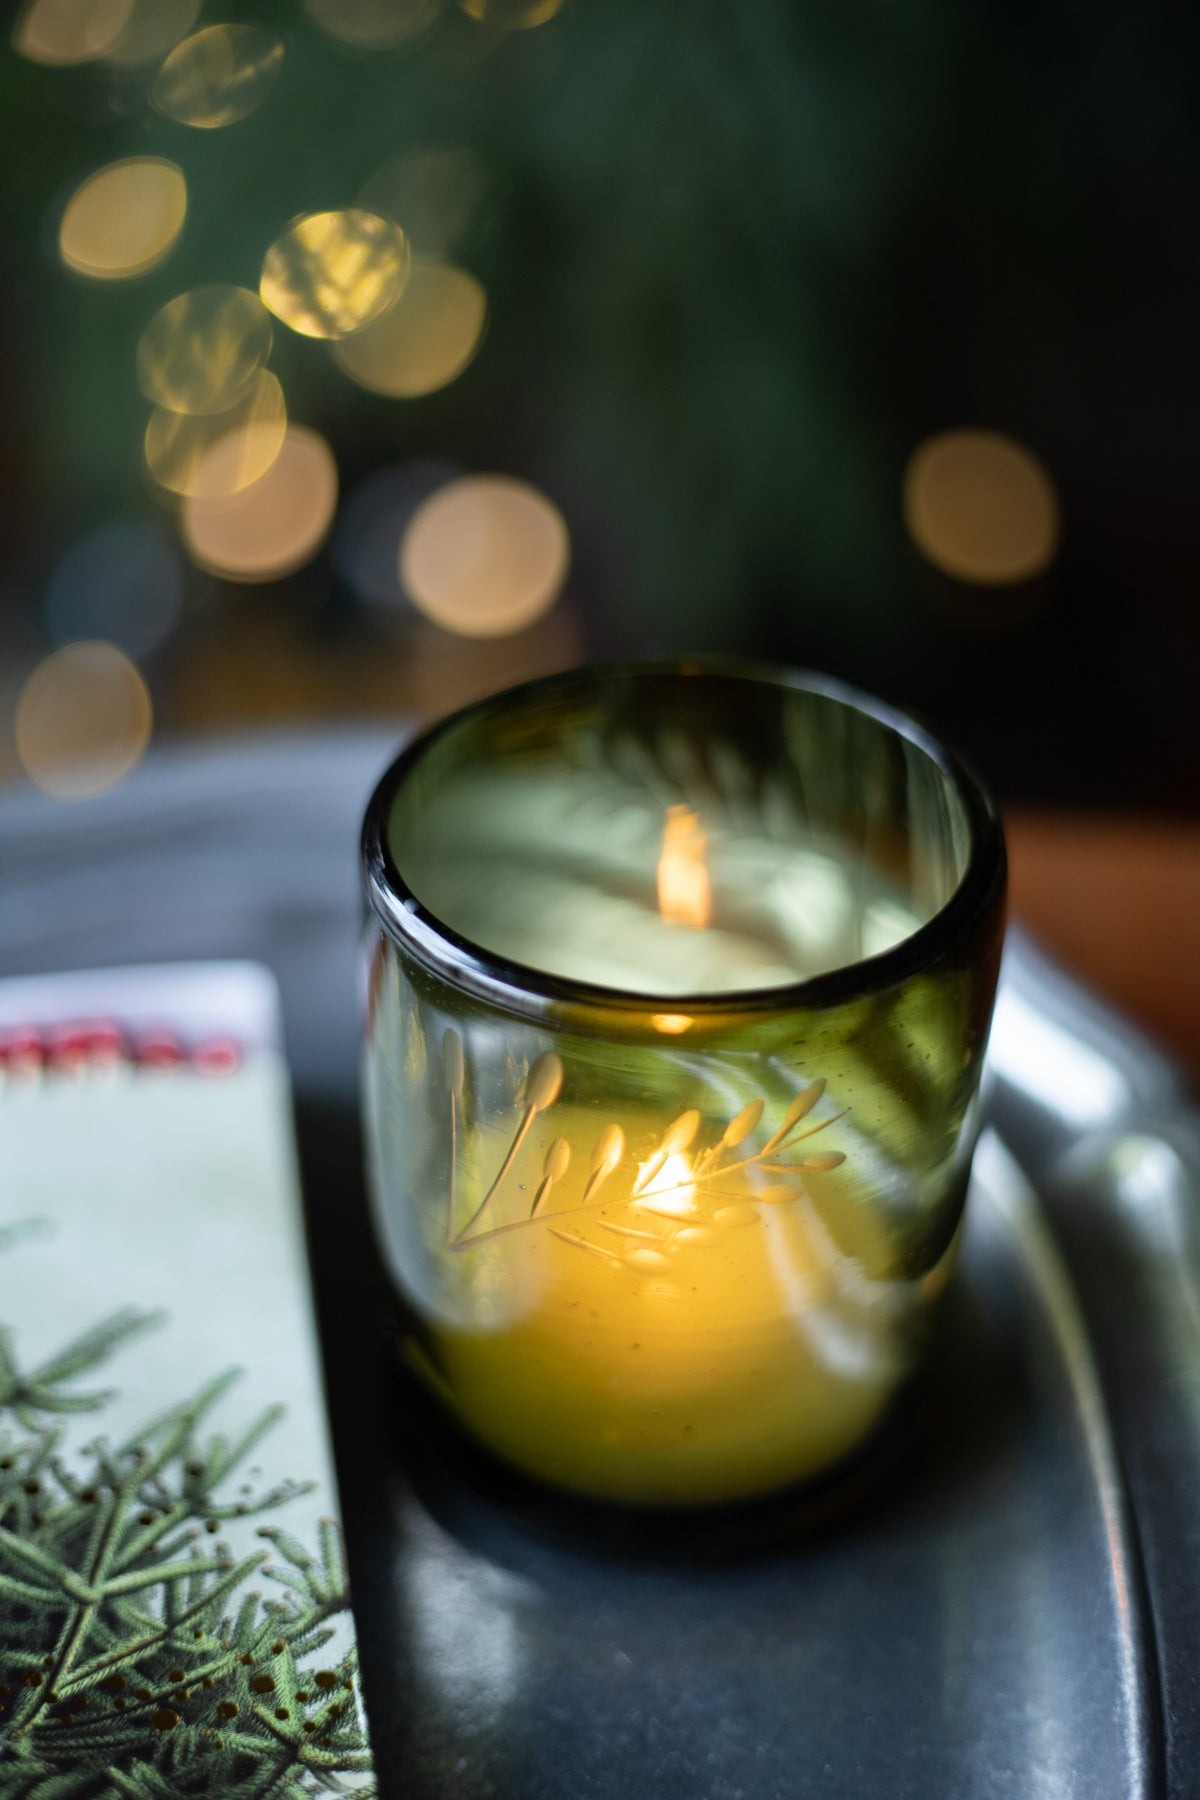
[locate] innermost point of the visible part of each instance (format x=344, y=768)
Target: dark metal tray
x=1014, y=1613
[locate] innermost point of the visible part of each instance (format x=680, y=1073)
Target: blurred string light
x=60, y=33
x=981, y=508
x=423, y=341
x=154, y=27
x=484, y=556
x=210, y=455
x=83, y=719
x=122, y=582
x=511, y=15
x=371, y=524
x=124, y=219
x=373, y=24
x=332, y=273
x=201, y=351
x=274, y=527
x=218, y=76
x=442, y=194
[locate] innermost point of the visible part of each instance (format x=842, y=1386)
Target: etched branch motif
x=536, y=1094
x=682, y=1191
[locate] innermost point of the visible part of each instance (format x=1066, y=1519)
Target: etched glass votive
x=679, y=985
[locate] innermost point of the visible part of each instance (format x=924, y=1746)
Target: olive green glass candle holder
x=680, y=980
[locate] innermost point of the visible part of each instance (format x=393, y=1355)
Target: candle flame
x=684, y=891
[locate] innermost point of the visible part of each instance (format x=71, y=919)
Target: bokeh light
x=332, y=273
x=83, y=720
x=218, y=76
x=214, y=454
x=511, y=15
x=124, y=219
x=201, y=351
x=373, y=24
x=981, y=508
x=425, y=340
x=442, y=194
x=62, y=32
x=122, y=582
x=485, y=555
x=371, y=524
x=154, y=27
x=274, y=527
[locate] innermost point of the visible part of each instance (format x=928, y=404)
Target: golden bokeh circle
x=274, y=527
x=373, y=24
x=60, y=33
x=425, y=340
x=511, y=15
x=211, y=455
x=218, y=75
x=981, y=508
x=201, y=351
x=154, y=28
x=331, y=273
x=485, y=556
x=83, y=720
x=124, y=218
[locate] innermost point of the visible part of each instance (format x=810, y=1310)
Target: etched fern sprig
x=707, y=1169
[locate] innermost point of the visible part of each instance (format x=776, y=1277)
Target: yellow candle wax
x=688, y=1327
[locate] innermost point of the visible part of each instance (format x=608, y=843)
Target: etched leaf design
x=610, y=1148
x=555, y=1166
x=742, y=1124
x=799, y=1109
x=543, y=1084
x=700, y=1174
x=558, y=1160
x=824, y=1159
x=680, y=1133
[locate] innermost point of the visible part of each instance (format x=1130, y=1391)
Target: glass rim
x=524, y=989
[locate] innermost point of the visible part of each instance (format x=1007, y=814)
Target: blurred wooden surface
x=1117, y=901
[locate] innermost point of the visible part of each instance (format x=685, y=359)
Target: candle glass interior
x=680, y=984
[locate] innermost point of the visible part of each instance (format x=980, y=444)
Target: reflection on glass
x=981, y=507
x=124, y=219
x=83, y=720
x=485, y=555
x=425, y=340
x=213, y=454
x=373, y=24
x=201, y=351
x=218, y=76
x=274, y=527
x=62, y=32
x=332, y=273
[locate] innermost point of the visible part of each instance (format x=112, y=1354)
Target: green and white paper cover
x=174, y=1617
